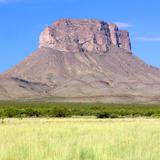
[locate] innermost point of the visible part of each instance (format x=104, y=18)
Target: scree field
x=80, y=139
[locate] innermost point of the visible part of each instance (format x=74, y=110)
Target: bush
x=148, y=114
x=114, y=116
x=31, y=113
x=11, y=112
x=60, y=112
x=103, y=115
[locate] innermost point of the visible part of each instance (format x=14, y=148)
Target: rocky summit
x=83, y=60
x=84, y=36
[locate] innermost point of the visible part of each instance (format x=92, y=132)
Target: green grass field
x=80, y=139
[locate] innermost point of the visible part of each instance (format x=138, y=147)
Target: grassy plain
x=80, y=139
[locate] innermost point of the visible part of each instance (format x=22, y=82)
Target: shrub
x=103, y=115
x=60, y=112
x=29, y=112
x=11, y=112
x=114, y=115
x=148, y=114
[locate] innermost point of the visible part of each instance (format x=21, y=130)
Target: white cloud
x=149, y=38
x=123, y=25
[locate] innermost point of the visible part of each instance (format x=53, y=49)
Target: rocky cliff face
x=84, y=36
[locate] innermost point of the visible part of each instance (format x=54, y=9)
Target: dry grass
x=80, y=139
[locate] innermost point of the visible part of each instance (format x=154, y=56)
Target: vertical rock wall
x=84, y=35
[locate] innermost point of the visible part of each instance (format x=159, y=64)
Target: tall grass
x=80, y=139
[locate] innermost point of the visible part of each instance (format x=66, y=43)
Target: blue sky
x=21, y=22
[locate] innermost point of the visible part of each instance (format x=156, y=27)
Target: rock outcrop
x=84, y=36
x=120, y=38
